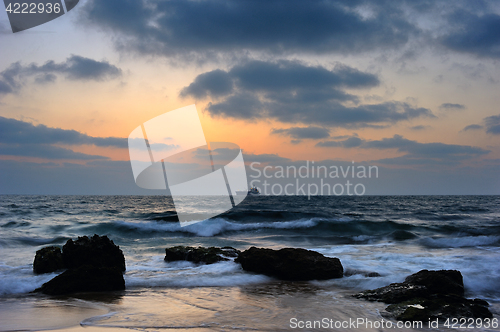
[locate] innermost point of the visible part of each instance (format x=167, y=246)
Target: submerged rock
x=290, y=264
x=85, y=279
x=428, y=295
x=98, y=251
x=200, y=255
x=48, y=259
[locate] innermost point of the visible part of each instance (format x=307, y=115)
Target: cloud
x=350, y=142
x=278, y=26
x=19, y=138
x=278, y=77
x=419, y=127
x=453, y=107
x=14, y=131
x=425, y=149
x=214, y=83
x=99, y=177
x=474, y=33
x=493, y=124
x=74, y=68
x=45, y=152
x=293, y=92
x=264, y=158
x=416, y=152
x=473, y=127
x=299, y=133
x=332, y=113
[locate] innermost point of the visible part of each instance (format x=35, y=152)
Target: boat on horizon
x=251, y=191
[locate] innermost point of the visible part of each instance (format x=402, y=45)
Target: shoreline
x=263, y=307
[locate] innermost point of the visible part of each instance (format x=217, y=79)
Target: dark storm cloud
x=493, y=124
x=281, y=76
x=474, y=33
x=331, y=113
x=214, y=83
x=209, y=28
x=416, y=152
x=450, y=106
x=278, y=26
x=74, y=68
x=473, y=127
x=293, y=92
x=299, y=133
x=13, y=131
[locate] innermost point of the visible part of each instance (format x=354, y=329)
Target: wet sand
x=263, y=307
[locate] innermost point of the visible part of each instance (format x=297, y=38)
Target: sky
x=411, y=87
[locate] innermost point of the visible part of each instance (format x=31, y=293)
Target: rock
x=439, y=282
x=428, y=295
x=200, y=255
x=373, y=275
x=290, y=264
x=48, y=259
x=85, y=279
x=394, y=293
x=439, y=306
x=97, y=251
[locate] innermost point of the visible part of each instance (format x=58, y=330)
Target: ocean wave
x=37, y=241
x=339, y=227
x=182, y=274
x=460, y=242
x=20, y=279
x=213, y=227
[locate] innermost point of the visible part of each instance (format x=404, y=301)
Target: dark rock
x=85, y=279
x=290, y=264
x=428, y=295
x=97, y=251
x=372, y=275
x=438, y=282
x=200, y=255
x=439, y=306
x=394, y=293
x=48, y=259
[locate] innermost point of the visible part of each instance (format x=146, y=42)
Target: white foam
x=20, y=279
x=459, y=242
x=177, y=274
x=479, y=266
x=216, y=226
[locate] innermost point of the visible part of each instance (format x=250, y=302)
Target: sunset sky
x=410, y=86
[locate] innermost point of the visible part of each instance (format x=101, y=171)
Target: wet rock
x=85, y=279
x=48, y=259
x=373, y=275
x=428, y=295
x=200, y=255
x=93, y=264
x=438, y=282
x=97, y=251
x=290, y=264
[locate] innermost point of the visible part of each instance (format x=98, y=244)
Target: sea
x=378, y=239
